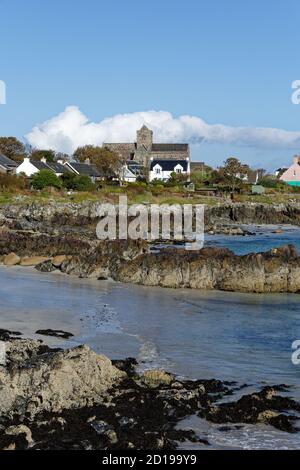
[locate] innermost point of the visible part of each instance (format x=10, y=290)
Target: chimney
x=296, y=159
x=43, y=159
x=87, y=161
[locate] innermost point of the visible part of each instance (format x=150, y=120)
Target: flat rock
x=55, y=333
x=33, y=260
x=5, y=335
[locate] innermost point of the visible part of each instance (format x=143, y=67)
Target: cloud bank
x=71, y=129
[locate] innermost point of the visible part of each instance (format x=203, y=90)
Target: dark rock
x=262, y=407
x=134, y=415
x=6, y=335
x=55, y=333
x=126, y=365
x=45, y=267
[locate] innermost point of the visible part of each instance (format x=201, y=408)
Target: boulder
x=35, y=381
x=156, y=378
x=11, y=260
x=59, y=260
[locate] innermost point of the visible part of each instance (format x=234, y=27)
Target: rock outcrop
x=75, y=399
x=277, y=270
x=36, y=379
x=215, y=268
x=69, y=218
x=62, y=236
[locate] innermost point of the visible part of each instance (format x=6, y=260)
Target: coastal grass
x=139, y=195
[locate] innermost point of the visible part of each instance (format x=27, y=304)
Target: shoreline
x=124, y=409
x=211, y=268
x=66, y=233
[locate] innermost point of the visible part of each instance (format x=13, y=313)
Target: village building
x=132, y=171
x=198, y=167
x=250, y=176
x=7, y=165
x=163, y=169
x=30, y=167
x=84, y=169
x=292, y=175
x=144, y=152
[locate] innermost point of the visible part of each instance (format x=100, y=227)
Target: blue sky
x=225, y=61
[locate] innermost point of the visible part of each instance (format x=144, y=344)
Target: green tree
x=46, y=179
x=232, y=171
x=107, y=162
x=36, y=154
x=201, y=174
x=12, y=148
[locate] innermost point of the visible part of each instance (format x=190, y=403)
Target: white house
x=163, y=169
x=31, y=167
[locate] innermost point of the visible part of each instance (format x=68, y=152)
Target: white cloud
x=71, y=129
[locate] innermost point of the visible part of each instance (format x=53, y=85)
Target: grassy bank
x=139, y=195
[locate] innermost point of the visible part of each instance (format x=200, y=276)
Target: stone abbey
x=144, y=150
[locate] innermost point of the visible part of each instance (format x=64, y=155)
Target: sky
x=215, y=74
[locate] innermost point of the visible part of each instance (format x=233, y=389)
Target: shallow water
x=263, y=240
x=195, y=334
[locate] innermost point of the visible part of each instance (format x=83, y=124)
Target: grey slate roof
x=85, y=169
x=134, y=167
x=39, y=165
x=58, y=167
x=7, y=162
x=169, y=147
x=169, y=165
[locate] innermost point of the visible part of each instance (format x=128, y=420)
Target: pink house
x=292, y=175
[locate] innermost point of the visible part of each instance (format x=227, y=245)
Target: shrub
x=83, y=183
x=46, y=179
x=78, y=183
x=68, y=180
x=12, y=182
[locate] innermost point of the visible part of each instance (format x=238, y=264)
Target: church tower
x=144, y=138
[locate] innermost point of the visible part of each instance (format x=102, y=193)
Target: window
x=178, y=170
x=157, y=171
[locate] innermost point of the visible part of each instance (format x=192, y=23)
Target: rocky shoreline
x=81, y=218
x=63, y=237
x=76, y=399
x=275, y=271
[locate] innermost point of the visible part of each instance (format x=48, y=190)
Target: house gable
x=28, y=168
x=292, y=174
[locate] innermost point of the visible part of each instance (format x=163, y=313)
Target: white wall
x=27, y=168
x=164, y=175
